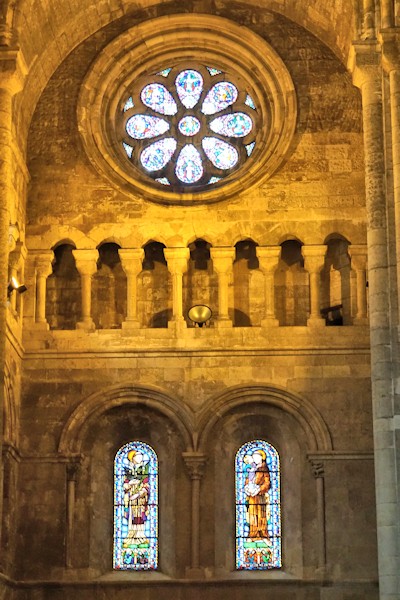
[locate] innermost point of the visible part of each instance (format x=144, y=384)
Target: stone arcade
x=267, y=189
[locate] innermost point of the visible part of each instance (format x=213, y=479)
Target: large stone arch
x=305, y=413
x=96, y=404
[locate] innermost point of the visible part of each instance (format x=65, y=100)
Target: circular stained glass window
x=188, y=127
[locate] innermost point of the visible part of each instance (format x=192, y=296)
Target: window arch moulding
x=187, y=59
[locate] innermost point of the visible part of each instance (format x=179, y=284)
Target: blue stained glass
x=250, y=148
x=214, y=180
x=128, y=149
x=135, y=508
x=140, y=127
x=189, y=168
x=213, y=71
x=221, y=154
x=164, y=72
x=233, y=125
x=189, y=85
x=156, y=156
x=258, y=513
x=189, y=125
x=157, y=97
x=249, y=102
x=221, y=95
x=163, y=180
x=128, y=104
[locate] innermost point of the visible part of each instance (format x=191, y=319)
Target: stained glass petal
x=189, y=85
x=234, y=125
x=189, y=167
x=156, y=156
x=189, y=125
x=213, y=71
x=250, y=148
x=163, y=180
x=128, y=149
x=141, y=127
x=157, y=97
x=128, y=104
x=221, y=95
x=165, y=72
x=220, y=153
x=249, y=101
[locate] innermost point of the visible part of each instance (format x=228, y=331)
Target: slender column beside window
x=131, y=261
x=268, y=257
x=177, y=263
x=72, y=475
x=359, y=264
x=318, y=472
x=222, y=263
x=195, y=463
x=314, y=258
x=86, y=263
x=43, y=270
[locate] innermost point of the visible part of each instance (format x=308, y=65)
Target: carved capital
x=222, y=259
x=365, y=63
x=13, y=70
x=268, y=257
x=177, y=259
x=317, y=468
x=131, y=260
x=195, y=463
x=73, y=467
x=43, y=260
x=17, y=256
x=86, y=261
x=359, y=258
x=314, y=257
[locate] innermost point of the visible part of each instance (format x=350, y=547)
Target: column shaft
x=177, y=259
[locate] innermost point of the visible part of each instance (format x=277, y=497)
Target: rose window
x=188, y=128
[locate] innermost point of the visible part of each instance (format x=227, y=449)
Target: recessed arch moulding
x=165, y=41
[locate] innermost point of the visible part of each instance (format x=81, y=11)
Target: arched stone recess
x=304, y=412
x=159, y=43
x=97, y=404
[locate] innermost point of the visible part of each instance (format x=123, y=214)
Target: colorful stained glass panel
x=249, y=102
x=189, y=125
x=189, y=85
x=250, y=148
x=135, y=508
x=128, y=104
x=140, y=127
x=189, y=167
x=221, y=95
x=164, y=72
x=156, y=156
x=163, y=180
x=233, y=125
x=220, y=153
x=258, y=512
x=128, y=149
x=213, y=71
x=157, y=97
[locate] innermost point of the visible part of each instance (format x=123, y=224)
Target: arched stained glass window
x=135, y=507
x=188, y=127
x=258, y=512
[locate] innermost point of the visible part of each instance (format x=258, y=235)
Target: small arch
x=292, y=293
x=109, y=288
x=154, y=288
x=96, y=404
x=245, y=265
x=200, y=283
x=63, y=289
x=305, y=413
x=336, y=282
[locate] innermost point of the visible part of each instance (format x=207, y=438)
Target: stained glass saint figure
x=258, y=522
x=135, y=507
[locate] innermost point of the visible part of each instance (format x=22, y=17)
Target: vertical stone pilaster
x=72, y=476
x=16, y=262
x=387, y=14
x=314, y=260
x=177, y=263
x=43, y=266
x=223, y=263
x=317, y=467
x=268, y=257
x=195, y=463
x=367, y=75
x=12, y=73
x=358, y=256
x=131, y=261
x=86, y=263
